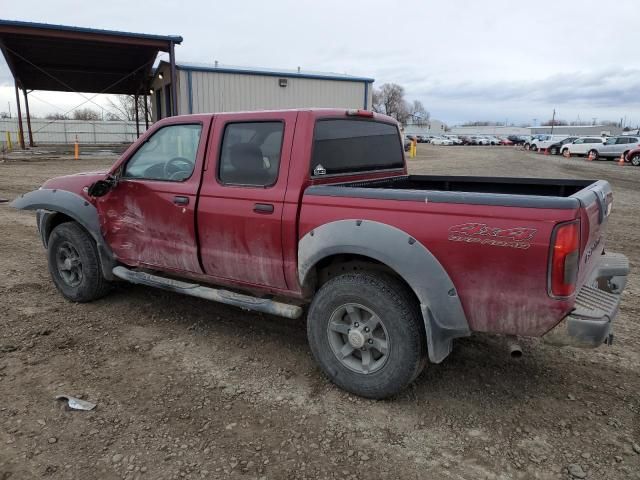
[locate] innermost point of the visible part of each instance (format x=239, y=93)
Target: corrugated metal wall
x=229, y=92
x=65, y=131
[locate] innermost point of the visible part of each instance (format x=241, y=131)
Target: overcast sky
x=465, y=60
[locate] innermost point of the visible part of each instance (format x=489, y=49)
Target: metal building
x=217, y=88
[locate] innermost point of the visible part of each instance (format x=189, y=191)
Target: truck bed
x=522, y=192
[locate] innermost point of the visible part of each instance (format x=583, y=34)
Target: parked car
x=614, y=147
x=544, y=141
x=278, y=211
x=556, y=148
x=505, y=141
x=580, y=146
x=493, y=140
x=518, y=139
x=478, y=140
x=633, y=157
x=441, y=141
x=466, y=140
x=421, y=138
x=407, y=144
x=455, y=139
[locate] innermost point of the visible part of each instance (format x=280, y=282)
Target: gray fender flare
x=49, y=202
x=442, y=311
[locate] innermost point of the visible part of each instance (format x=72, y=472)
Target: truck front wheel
x=74, y=264
x=367, y=334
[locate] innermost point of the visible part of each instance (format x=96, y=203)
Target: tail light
x=565, y=258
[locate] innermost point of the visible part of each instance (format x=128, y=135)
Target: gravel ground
x=191, y=389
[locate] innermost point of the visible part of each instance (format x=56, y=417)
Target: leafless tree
x=389, y=99
x=86, y=114
x=482, y=123
x=124, y=107
x=419, y=115
x=56, y=116
x=556, y=122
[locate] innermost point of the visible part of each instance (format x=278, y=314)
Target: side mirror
x=100, y=188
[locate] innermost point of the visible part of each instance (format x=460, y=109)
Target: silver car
x=614, y=147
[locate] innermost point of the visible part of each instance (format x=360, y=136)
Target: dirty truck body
x=313, y=210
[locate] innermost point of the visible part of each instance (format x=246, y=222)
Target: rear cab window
x=343, y=146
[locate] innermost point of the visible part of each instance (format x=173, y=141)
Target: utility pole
x=553, y=120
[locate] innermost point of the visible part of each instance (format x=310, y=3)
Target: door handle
x=181, y=200
x=263, y=208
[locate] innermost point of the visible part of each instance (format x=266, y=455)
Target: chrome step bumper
x=590, y=323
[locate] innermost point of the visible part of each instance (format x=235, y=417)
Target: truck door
x=242, y=196
x=148, y=218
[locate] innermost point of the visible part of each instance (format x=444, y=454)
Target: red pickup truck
x=313, y=210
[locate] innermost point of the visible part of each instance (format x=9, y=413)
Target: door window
x=250, y=153
x=169, y=154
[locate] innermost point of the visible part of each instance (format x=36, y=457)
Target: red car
x=505, y=141
x=633, y=157
x=312, y=212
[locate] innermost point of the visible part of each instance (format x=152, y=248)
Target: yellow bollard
x=76, y=149
x=9, y=146
x=414, y=149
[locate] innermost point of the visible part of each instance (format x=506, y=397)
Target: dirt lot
x=191, y=389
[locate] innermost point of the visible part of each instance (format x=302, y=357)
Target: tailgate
x=595, y=206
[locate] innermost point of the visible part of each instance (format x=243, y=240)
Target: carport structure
x=63, y=58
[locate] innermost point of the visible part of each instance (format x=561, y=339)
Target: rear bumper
x=589, y=325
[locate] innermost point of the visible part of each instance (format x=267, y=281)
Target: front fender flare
x=442, y=311
x=49, y=202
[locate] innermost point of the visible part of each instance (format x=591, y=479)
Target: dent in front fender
x=48, y=202
x=442, y=311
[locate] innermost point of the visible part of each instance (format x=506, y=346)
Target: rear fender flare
x=442, y=311
x=49, y=202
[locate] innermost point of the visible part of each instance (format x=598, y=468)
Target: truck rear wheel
x=74, y=264
x=366, y=332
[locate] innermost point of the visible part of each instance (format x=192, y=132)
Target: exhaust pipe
x=515, y=350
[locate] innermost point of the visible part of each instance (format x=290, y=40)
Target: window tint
x=250, y=153
x=169, y=154
x=341, y=146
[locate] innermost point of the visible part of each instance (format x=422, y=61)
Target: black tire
x=387, y=298
x=593, y=154
x=553, y=151
x=533, y=148
x=635, y=160
x=83, y=281
x=526, y=146
x=566, y=153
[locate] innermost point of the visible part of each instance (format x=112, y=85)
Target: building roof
x=200, y=67
x=42, y=56
x=69, y=28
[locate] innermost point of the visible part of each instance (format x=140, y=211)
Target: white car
x=441, y=141
x=493, y=140
x=580, y=146
x=454, y=139
x=546, y=141
x=480, y=140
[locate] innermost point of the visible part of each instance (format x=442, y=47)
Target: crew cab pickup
x=313, y=212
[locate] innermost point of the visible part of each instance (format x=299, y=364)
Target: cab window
x=250, y=153
x=168, y=155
